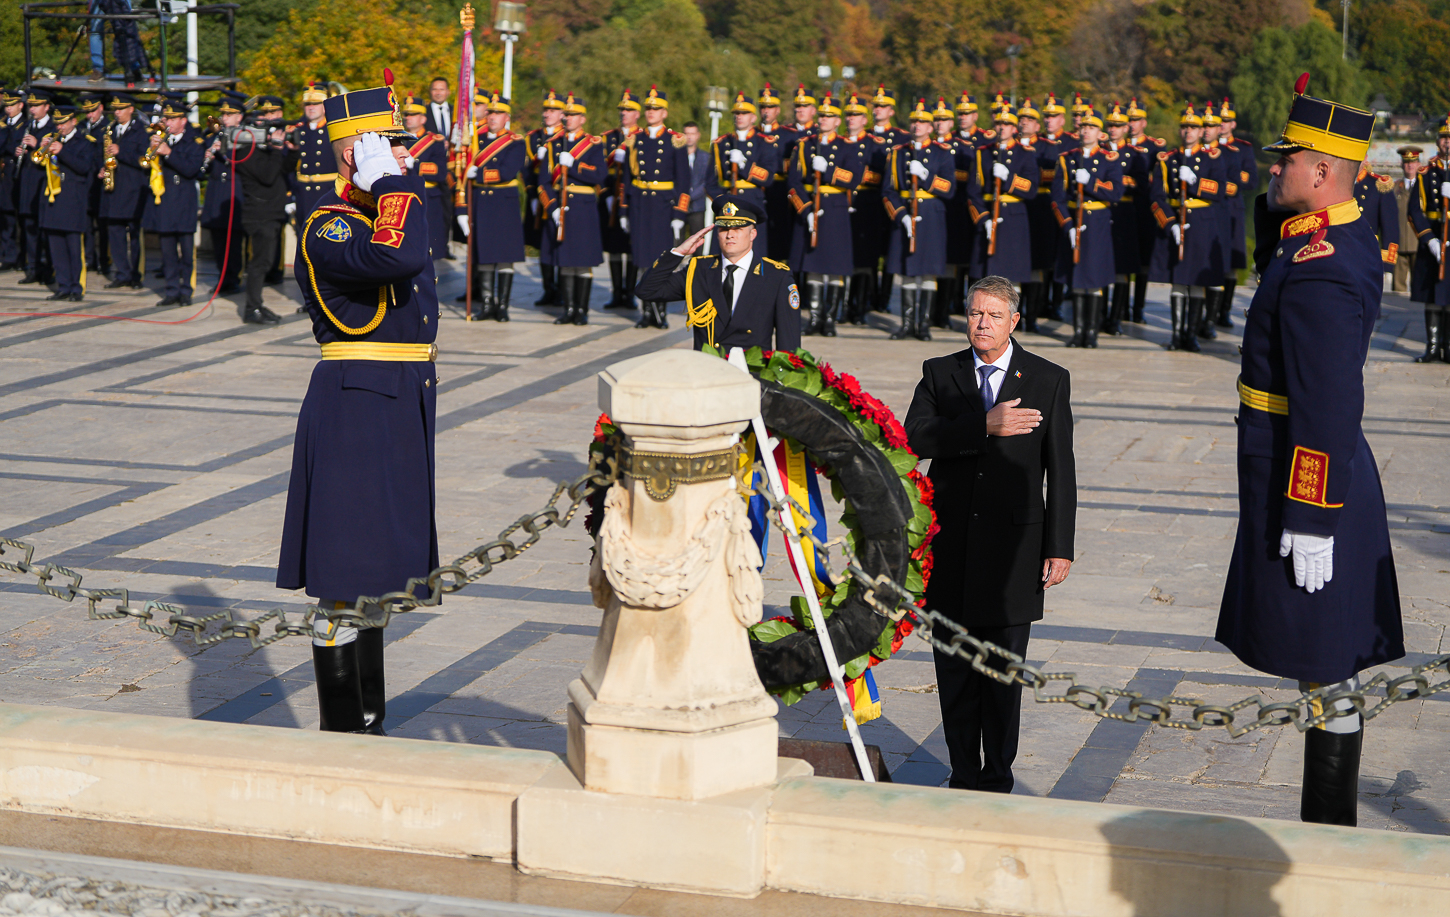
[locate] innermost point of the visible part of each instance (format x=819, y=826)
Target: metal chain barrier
x=886, y=596
x=369, y=611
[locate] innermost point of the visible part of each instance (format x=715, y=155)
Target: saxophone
x=108, y=170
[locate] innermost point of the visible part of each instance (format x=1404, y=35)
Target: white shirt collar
x=43, y=122
x=1001, y=362
x=743, y=134
x=656, y=130
x=744, y=264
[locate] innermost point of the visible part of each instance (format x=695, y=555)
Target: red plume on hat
x=1301, y=84
x=387, y=76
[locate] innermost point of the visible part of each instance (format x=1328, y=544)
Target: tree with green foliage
x=1263, y=87
x=1402, y=49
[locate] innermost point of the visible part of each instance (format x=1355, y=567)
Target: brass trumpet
x=149, y=157
x=41, y=154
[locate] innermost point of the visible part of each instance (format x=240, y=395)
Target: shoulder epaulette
x=1110, y=155
x=774, y=263
x=1160, y=141
x=93, y=140
x=341, y=208
x=989, y=133
x=1163, y=155
x=1214, y=152
x=677, y=140
x=704, y=258
x=198, y=140
x=1383, y=183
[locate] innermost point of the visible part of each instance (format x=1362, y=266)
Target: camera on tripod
x=255, y=131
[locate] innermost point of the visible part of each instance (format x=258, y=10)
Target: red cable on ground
x=206, y=307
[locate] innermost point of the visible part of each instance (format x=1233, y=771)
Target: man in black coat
x=263, y=179
x=996, y=421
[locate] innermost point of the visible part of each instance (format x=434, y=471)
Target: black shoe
x=909, y=298
x=76, y=297
x=57, y=296
x=261, y=315
x=1331, y=777
x=138, y=285
x=118, y=285
x=30, y=278
x=169, y=301
x=583, y=286
x=371, y=680
x=1432, y=337
x=339, y=688
x=1189, y=339
x=926, y=301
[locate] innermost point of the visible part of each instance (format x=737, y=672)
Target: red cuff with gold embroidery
x=940, y=185
x=1390, y=254
x=490, y=176
x=758, y=173
x=1021, y=184
x=1208, y=186
x=1309, y=478
x=841, y=176
x=392, y=215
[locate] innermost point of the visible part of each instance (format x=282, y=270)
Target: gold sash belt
x=380, y=350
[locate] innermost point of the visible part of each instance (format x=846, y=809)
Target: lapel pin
x=1018, y=374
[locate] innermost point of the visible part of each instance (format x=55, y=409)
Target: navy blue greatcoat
x=1095, y=267
x=1204, y=257
x=832, y=251
x=1126, y=222
x=1013, y=257
x=930, y=257
x=76, y=163
x=430, y=160
x=176, y=211
x=581, y=246
x=1304, y=464
x=750, y=182
x=222, y=200
x=657, y=192
x=360, y=500
x=1242, y=185
x=497, y=227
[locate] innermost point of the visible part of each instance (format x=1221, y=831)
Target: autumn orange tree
x=352, y=42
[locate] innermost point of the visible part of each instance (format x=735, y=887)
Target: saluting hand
x=688, y=247
x=1006, y=419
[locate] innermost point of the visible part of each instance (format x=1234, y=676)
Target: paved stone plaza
x=156, y=457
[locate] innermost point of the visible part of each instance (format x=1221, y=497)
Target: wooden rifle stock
x=1077, y=236
x=563, y=198
x=996, y=214
x=1444, y=231
x=911, y=238
x=618, y=191
x=1182, y=210
x=734, y=177
x=816, y=204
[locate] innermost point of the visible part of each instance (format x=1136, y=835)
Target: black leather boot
x=1079, y=317
x=631, y=274
x=1118, y=311
x=855, y=286
x=835, y=293
x=583, y=286
x=549, y=276
x=811, y=325
x=1432, y=337
x=1444, y=328
x=1204, y=329
x=1096, y=304
x=1177, y=308
x=372, y=680
x=503, y=291
x=1027, y=305
x=941, y=303
x=339, y=689
x=1140, y=295
x=1331, y=777
x=1188, y=338
x=565, y=297
x=1226, y=305
x=925, y=302
x=616, y=284
x=483, y=296
x=908, y=315
x=883, y=293
x=1058, y=292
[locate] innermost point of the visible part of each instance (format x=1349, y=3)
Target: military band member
x=1430, y=283
x=31, y=179
x=360, y=502
x=572, y=167
x=221, y=209
x=823, y=168
x=71, y=162
x=952, y=285
x=920, y=178
x=1243, y=179
x=623, y=269
x=1147, y=225
x=1409, y=243
x=1008, y=168
x=1188, y=181
x=92, y=119
x=12, y=127
x=551, y=117
x=866, y=211
x=734, y=298
x=656, y=194
x=316, y=165
x=883, y=117
x=743, y=164
x=428, y=153
x=1312, y=557
x=1087, y=183
x=1127, y=256
x=496, y=230
x=171, y=205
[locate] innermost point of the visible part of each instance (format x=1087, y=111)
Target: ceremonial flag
x=465, y=135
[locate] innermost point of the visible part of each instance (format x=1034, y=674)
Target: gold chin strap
x=703, y=315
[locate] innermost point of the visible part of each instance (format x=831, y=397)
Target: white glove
x=409, y=161
x=619, y=154
x=738, y=158
x=919, y=169
x=534, y=206
x=1187, y=174
x=676, y=226
x=1435, y=248
x=1000, y=170
x=374, y=159
x=819, y=164
x=291, y=209
x=811, y=222
x=566, y=160
x=463, y=222
x=608, y=201
x=543, y=153
x=1445, y=189
x=1072, y=235
x=1083, y=176
x=910, y=225
x=624, y=224
x=472, y=173
x=554, y=214
x=1313, y=558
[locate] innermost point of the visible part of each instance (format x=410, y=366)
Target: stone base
x=672, y=765
x=715, y=846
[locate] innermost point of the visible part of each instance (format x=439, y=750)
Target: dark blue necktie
x=987, y=399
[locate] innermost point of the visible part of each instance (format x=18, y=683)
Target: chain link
x=369, y=611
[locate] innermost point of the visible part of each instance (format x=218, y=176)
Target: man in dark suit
x=440, y=112
x=732, y=299
x=996, y=421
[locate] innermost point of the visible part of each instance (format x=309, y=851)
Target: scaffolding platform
x=117, y=83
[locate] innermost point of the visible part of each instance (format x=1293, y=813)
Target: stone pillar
x=670, y=705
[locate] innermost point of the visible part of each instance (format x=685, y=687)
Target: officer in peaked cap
x=316, y=165
x=572, y=167
x=1430, y=282
x=1088, y=181
x=824, y=169
x=12, y=126
x=657, y=193
x=551, y=117
x=733, y=298
x=1311, y=593
x=496, y=231
x=171, y=199
x=72, y=160
x=1136, y=163
x=224, y=199
x=920, y=178
x=30, y=179
x=614, y=237
x=1404, y=188
x=121, y=207
x=743, y=164
x=360, y=502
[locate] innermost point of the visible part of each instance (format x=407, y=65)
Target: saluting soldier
x=360, y=502
x=883, y=117
x=572, y=168
x=552, y=118
x=951, y=285
x=623, y=269
x=221, y=208
x=496, y=231
x=743, y=163
x=1311, y=592
x=1047, y=294
x=1088, y=182
x=1187, y=182
x=72, y=161
x=823, y=171
x=1147, y=225
x=734, y=298
x=920, y=178
x=1008, y=169
x=92, y=119
x=31, y=180
x=316, y=164
x=1242, y=184
x=428, y=153
x=1127, y=257
x=12, y=126
x=1430, y=283
x=171, y=205
x=866, y=225
x=657, y=193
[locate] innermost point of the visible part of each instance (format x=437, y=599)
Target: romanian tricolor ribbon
x=798, y=477
x=865, y=699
